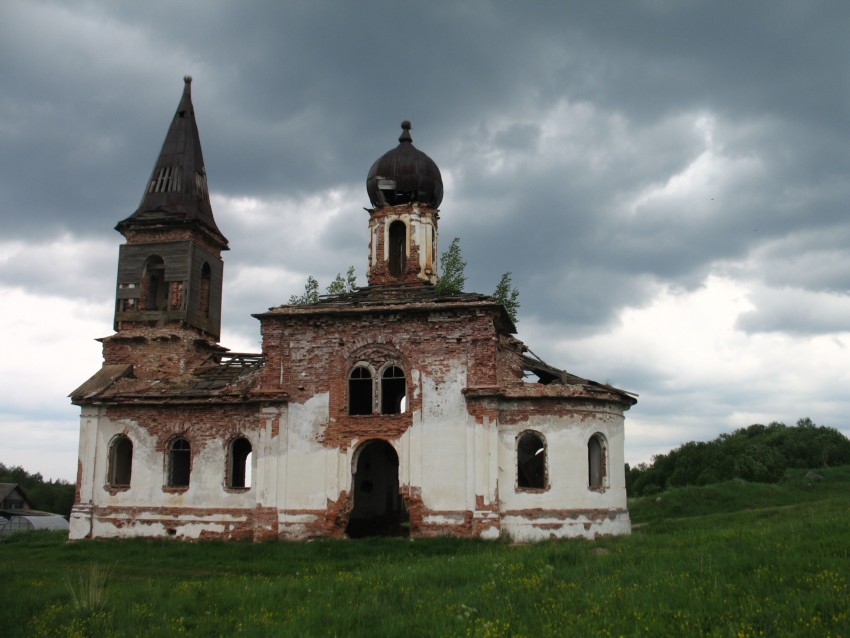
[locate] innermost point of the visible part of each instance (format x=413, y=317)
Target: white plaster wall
x=310, y=471
x=567, y=472
x=455, y=451
x=206, y=485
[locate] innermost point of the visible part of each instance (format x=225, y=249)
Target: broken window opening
x=393, y=391
x=204, y=292
x=398, y=248
x=239, y=462
x=120, y=462
x=531, y=461
x=360, y=391
x=596, y=462
x=179, y=463
x=168, y=179
x=154, y=289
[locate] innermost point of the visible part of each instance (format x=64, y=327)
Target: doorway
x=378, y=508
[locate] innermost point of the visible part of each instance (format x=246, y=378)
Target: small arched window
x=120, y=462
x=597, y=462
x=360, y=391
x=154, y=290
x=398, y=248
x=204, y=291
x=179, y=463
x=393, y=391
x=239, y=463
x=531, y=461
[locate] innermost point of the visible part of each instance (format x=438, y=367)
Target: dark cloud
x=601, y=152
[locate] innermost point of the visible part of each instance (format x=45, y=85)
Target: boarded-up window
x=120, y=462
x=531, y=461
x=360, y=391
x=179, y=463
x=393, y=390
x=596, y=462
x=239, y=461
x=398, y=248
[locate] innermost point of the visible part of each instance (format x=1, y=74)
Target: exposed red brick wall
x=159, y=353
x=309, y=354
x=379, y=273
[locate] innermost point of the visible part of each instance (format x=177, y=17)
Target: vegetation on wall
x=453, y=278
x=508, y=295
x=759, y=453
x=451, y=281
x=338, y=286
x=452, y=270
x=47, y=496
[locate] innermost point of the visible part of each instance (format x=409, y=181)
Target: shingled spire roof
x=177, y=190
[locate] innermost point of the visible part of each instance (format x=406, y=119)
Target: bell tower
x=170, y=268
x=405, y=188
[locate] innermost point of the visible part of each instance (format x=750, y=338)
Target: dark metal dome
x=404, y=175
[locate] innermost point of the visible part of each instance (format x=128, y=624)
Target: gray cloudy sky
x=668, y=182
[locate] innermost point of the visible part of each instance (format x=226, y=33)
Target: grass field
x=735, y=559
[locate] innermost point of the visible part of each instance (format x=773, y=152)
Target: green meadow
x=732, y=559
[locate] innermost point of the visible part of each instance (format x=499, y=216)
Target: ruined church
x=390, y=409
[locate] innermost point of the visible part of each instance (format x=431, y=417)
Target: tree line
x=47, y=496
x=758, y=453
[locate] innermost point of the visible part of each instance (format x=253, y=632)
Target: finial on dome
x=405, y=136
x=187, y=79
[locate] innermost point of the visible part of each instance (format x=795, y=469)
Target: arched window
x=393, y=390
x=398, y=248
x=360, y=391
x=120, y=462
x=531, y=461
x=239, y=463
x=179, y=463
x=596, y=462
x=154, y=289
x=204, y=292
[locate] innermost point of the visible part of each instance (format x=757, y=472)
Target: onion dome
x=404, y=175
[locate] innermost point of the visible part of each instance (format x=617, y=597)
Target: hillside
x=734, y=559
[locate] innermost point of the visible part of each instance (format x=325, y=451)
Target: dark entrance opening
x=378, y=507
